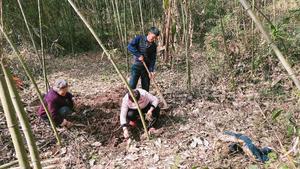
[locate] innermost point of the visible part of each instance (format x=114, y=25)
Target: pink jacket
x=144, y=100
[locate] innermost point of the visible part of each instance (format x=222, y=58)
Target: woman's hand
x=66, y=124
x=125, y=133
x=149, y=114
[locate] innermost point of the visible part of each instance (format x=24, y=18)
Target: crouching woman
x=59, y=103
x=129, y=114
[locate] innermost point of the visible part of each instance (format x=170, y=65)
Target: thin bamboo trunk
x=29, y=32
x=183, y=24
x=16, y=101
x=253, y=41
x=142, y=19
x=278, y=53
x=121, y=31
x=191, y=30
x=167, y=38
x=119, y=23
x=42, y=48
x=125, y=38
x=1, y=13
x=116, y=20
x=131, y=12
x=224, y=38
x=29, y=75
x=12, y=124
x=188, y=67
x=274, y=11
x=112, y=62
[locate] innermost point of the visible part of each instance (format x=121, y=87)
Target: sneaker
x=132, y=123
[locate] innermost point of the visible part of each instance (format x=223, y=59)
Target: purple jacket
x=54, y=102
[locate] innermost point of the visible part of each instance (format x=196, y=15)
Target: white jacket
x=144, y=100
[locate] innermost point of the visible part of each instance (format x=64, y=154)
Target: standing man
x=143, y=49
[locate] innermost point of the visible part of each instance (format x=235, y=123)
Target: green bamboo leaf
x=276, y=113
x=290, y=130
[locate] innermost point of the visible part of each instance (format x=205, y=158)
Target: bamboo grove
x=66, y=28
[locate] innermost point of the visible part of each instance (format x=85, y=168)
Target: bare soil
x=189, y=130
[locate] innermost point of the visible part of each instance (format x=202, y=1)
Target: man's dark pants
x=138, y=70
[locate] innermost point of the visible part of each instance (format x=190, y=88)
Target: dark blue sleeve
x=152, y=61
x=133, y=46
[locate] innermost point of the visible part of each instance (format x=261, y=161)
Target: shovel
x=166, y=106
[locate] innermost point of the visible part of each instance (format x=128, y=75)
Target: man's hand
x=149, y=114
x=125, y=133
x=152, y=75
x=66, y=124
x=141, y=58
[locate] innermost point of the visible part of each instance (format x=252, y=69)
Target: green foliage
x=284, y=166
x=272, y=158
x=276, y=113
x=290, y=130
x=63, y=31
x=252, y=167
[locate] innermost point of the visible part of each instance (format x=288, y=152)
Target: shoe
x=152, y=130
x=132, y=123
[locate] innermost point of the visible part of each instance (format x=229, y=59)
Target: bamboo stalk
x=157, y=88
x=29, y=75
x=266, y=36
x=188, y=67
x=167, y=38
x=29, y=31
x=116, y=20
x=141, y=15
x=112, y=62
x=42, y=48
x=12, y=124
x=125, y=38
x=1, y=13
x=253, y=38
x=132, y=19
x=16, y=101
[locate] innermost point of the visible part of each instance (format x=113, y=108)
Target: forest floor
x=189, y=131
